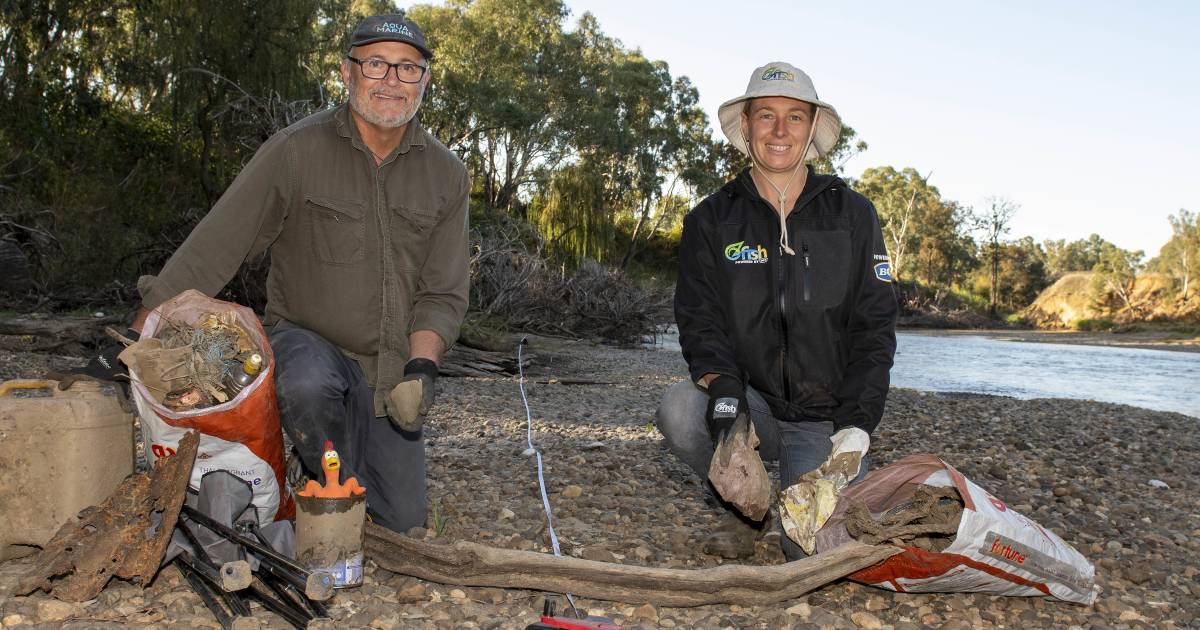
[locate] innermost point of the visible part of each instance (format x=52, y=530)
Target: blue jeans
x=798, y=446
x=323, y=395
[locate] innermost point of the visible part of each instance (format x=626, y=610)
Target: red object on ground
x=587, y=623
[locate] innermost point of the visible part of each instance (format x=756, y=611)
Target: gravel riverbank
x=1080, y=468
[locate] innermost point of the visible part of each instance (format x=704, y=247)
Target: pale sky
x=1084, y=113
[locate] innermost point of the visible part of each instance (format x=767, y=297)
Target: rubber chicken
x=332, y=489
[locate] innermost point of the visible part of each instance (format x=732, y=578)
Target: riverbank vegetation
x=121, y=124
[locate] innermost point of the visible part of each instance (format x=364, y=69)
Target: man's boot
x=734, y=538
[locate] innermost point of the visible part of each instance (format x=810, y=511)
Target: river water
x=1153, y=379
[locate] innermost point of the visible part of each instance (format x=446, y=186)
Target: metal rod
x=317, y=585
x=236, y=603
x=206, y=594
x=314, y=607
x=197, y=548
x=229, y=533
x=210, y=573
x=280, y=589
x=283, y=610
x=235, y=576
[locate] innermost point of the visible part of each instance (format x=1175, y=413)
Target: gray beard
x=375, y=118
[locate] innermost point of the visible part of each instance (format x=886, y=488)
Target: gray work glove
x=410, y=400
x=806, y=505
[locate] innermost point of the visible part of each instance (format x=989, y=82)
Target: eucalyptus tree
x=1114, y=277
x=1180, y=256
x=1080, y=255
x=994, y=221
x=903, y=199
x=506, y=82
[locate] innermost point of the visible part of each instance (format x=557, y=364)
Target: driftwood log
x=467, y=361
x=471, y=564
x=56, y=332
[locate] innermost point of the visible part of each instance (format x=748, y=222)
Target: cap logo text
x=393, y=28
x=773, y=73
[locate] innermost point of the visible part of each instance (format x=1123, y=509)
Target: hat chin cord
x=783, y=233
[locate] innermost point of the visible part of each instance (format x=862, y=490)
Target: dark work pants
x=323, y=395
x=798, y=446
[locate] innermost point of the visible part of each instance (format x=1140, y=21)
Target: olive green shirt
x=361, y=254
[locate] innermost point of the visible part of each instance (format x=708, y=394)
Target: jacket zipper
x=781, y=288
x=804, y=248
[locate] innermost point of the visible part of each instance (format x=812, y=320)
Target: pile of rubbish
x=211, y=537
x=195, y=366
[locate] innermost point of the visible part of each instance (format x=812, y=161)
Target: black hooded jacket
x=814, y=333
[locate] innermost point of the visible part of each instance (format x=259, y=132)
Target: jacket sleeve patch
x=883, y=271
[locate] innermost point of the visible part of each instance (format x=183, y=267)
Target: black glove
x=726, y=401
x=103, y=366
x=409, y=402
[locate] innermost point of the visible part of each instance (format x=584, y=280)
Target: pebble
x=54, y=610
x=572, y=492
x=645, y=611
x=866, y=620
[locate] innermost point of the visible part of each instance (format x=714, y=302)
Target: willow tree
x=571, y=214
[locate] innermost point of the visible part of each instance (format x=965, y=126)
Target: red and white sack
x=242, y=435
x=996, y=550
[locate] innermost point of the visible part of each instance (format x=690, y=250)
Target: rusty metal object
x=118, y=537
x=317, y=585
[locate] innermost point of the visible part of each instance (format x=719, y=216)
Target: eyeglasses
x=377, y=69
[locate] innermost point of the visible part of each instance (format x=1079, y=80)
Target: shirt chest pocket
x=338, y=230
x=411, y=230
x=823, y=262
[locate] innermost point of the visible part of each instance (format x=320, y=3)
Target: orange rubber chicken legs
x=332, y=488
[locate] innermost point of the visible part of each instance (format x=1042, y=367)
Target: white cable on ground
x=538, y=455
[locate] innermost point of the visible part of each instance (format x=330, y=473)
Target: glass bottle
x=244, y=374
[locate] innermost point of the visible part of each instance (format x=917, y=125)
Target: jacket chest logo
x=739, y=253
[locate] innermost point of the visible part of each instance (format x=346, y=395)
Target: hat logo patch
x=777, y=74
x=395, y=29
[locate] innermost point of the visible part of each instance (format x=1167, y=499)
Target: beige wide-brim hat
x=782, y=79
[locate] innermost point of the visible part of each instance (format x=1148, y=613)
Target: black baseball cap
x=389, y=28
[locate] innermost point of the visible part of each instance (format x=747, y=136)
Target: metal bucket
x=329, y=537
x=59, y=453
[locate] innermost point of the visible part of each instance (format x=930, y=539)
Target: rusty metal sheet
x=119, y=537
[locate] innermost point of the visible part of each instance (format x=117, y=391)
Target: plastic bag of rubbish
x=984, y=546
x=242, y=434
x=737, y=471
